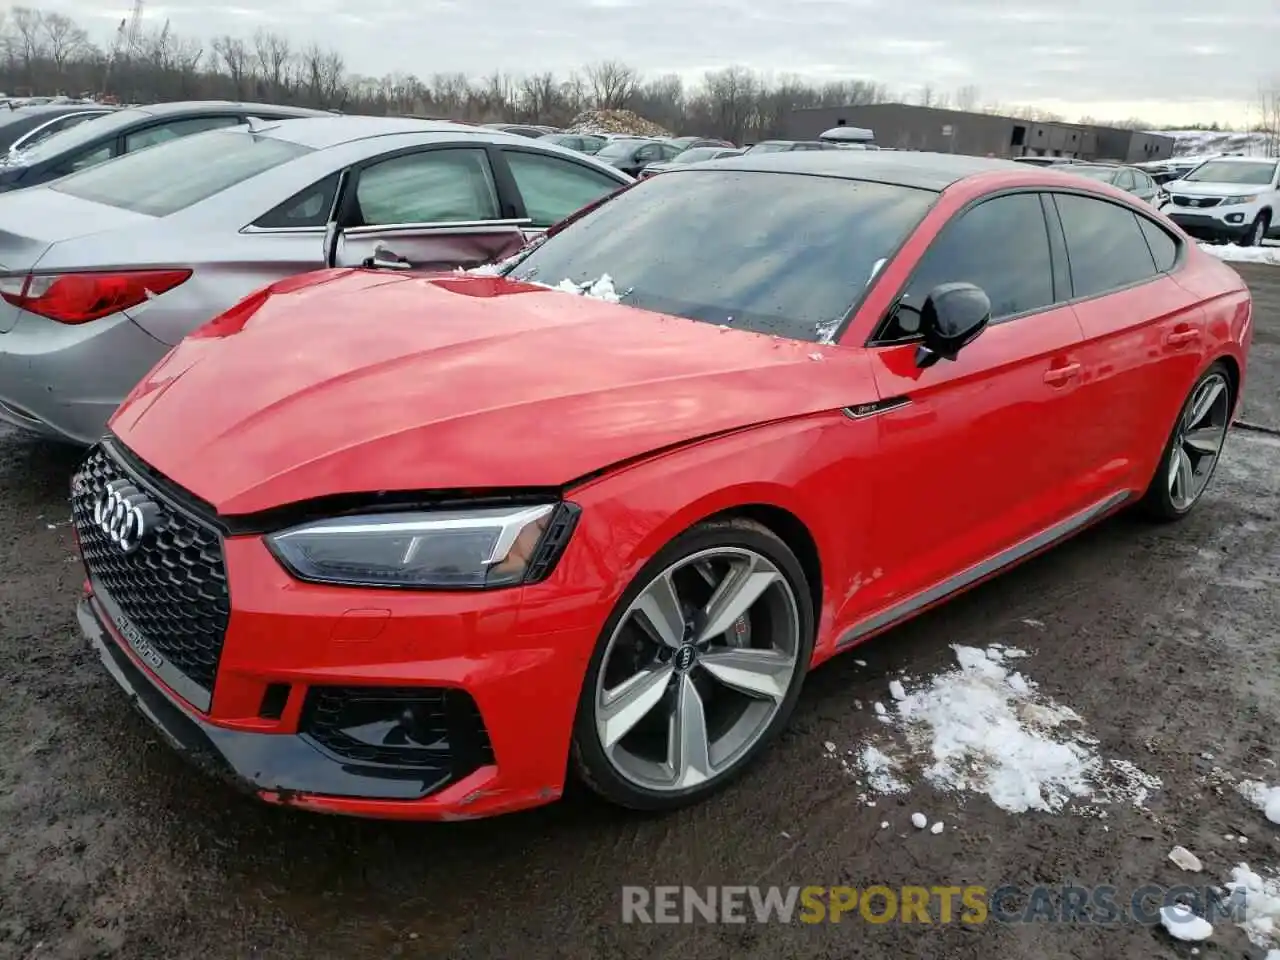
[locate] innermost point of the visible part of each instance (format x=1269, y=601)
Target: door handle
x=1057, y=376
x=1182, y=335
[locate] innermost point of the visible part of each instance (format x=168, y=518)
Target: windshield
x=618, y=148
x=769, y=148
x=698, y=153
x=171, y=176
x=80, y=134
x=774, y=253
x=1233, y=171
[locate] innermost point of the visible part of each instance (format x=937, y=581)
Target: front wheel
x=1192, y=452
x=698, y=667
x=1257, y=231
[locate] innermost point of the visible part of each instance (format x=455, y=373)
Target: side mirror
x=952, y=318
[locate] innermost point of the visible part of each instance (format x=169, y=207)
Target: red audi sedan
x=416, y=546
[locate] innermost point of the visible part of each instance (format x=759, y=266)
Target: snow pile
x=1236, y=254
x=985, y=728
x=1196, y=143
x=615, y=121
x=1182, y=924
x=1255, y=903
x=601, y=289
x=1266, y=799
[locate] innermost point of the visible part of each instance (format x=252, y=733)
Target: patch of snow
x=884, y=824
x=1266, y=799
x=1233, y=253
x=1033, y=623
x=897, y=690
x=826, y=330
x=986, y=728
x=1182, y=924
x=880, y=770
x=936, y=828
x=1185, y=859
x=601, y=289
x=919, y=821
x=1255, y=901
x=495, y=269
x=1209, y=143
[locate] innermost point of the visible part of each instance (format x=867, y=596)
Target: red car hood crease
x=514, y=391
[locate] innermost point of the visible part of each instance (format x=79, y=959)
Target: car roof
x=50, y=109
x=1233, y=158
x=221, y=106
x=926, y=171
x=329, y=131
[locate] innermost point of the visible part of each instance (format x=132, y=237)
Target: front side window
x=164, y=132
x=434, y=186
x=1002, y=246
x=1245, y=172
x=1105, y=245
x=173, y=176
x=770, y=252
x=553, y=188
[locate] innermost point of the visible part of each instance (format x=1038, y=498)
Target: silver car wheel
x=1198, y=441
x=697, y=668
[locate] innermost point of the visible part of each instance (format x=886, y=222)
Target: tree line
x=46, y=53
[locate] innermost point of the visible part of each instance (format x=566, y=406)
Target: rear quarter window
x=172, y=176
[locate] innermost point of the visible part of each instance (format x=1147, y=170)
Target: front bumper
x=288, y=768
x=63, y=381
x=1204, y=227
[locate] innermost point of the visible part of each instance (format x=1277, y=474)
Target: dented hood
x=356, y=381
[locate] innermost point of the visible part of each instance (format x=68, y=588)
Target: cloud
x=1083, y=52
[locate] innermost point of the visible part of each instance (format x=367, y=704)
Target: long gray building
x=907, y=127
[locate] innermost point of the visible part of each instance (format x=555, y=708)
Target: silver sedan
x=103, y=271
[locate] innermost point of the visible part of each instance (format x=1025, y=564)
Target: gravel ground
x=1164, y=640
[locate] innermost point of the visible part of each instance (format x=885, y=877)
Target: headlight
x=442, y=549
x=1242, y=199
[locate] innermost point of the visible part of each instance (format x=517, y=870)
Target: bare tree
x=272, y=52
x=64, y=38
x=233, y=56
x=612, y=84
x=927, y=95
x=1269, y=115
x=28, y=35
x=967, y=98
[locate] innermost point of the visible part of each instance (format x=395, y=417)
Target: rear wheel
x=1257, y=231
x=697, y=669
x=1194, y=448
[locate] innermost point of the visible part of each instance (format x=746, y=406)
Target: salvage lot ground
x=1164, y=640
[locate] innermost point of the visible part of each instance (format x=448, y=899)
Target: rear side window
x=164, y=132
x=1105, y=245
x=172, y=176
x=1164, y=249
x=306, y=208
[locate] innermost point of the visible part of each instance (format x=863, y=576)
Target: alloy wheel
x=697, y=668
x=1198, y=440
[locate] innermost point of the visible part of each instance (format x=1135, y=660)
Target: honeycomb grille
x=173, y=588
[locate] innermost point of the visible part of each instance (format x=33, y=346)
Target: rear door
x=978, y=454
x=1144, y=334
x=433, y=208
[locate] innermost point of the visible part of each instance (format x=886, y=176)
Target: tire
x=611, y=771
x=1257, y=231
x=1160, y=502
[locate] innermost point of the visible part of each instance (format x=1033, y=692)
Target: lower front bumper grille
x=411, y=729
x=169, y=595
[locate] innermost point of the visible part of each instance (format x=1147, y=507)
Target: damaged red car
x=399, y=545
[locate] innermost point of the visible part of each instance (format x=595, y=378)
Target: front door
x=979, y=454
x=433, y=209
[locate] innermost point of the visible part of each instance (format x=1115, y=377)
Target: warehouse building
x=906, y=127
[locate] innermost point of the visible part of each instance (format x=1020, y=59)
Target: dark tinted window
x=774, y=253
x=1105, y=245
x=172, y=176
x=306, y=208
x=1002, y=246
x=1163, y=247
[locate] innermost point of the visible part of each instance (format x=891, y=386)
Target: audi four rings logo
x=126, y=515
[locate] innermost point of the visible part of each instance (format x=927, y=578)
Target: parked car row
x=408, y=545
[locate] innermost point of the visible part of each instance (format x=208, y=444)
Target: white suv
x=1228, y=198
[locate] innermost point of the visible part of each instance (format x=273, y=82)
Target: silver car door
x=427, y=208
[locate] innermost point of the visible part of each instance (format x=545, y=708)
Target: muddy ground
x=1165, y=640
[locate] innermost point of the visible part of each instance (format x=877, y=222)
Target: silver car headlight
x=1244, y=198
x=463, y=549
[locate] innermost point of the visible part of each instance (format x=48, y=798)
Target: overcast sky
x=1169, y=61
